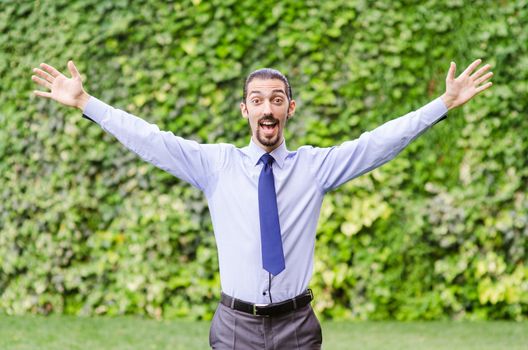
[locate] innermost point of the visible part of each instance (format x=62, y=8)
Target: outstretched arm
x=340, y=164
x=185, y=159
x=68, y=91
x=463, y=88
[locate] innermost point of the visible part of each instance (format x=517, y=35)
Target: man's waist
x=272, y=309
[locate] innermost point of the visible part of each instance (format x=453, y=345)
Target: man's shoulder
x=226, y=148
x=220, y=145
x=312, y=150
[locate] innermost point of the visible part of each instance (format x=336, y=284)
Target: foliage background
x=440, y=232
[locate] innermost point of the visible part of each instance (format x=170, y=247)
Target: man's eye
x=255, y=101
x=278, y=100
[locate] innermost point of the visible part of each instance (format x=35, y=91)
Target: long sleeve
x=188, y=160
x=336, y=165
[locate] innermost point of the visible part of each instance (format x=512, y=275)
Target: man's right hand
x=68, y=91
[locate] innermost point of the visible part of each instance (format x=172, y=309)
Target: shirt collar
x=254, y=152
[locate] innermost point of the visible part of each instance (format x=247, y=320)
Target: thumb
x=73, y=70
x=451, y=72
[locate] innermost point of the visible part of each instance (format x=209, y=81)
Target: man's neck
x=267, y=149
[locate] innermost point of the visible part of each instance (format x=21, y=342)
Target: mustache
x=268, y=118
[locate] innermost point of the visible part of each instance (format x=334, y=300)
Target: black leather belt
x=274, y=309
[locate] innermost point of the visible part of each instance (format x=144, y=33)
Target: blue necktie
x=270, y=234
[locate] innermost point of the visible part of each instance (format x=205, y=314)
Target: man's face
x=267, y=108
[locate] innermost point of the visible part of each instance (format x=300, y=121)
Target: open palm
x=461, y=89
x=68, y=91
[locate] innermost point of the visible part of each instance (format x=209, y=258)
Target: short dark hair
x=267, y=73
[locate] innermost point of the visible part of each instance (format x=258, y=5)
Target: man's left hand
x=463, y=88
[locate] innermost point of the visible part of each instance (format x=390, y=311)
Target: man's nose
x=266, y=108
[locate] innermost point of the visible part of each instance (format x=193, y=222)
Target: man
x=264, y=200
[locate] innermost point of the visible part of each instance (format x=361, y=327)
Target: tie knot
x=266, y=159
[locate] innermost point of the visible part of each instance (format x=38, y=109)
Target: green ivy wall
x=440, y=232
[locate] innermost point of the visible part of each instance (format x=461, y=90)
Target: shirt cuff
x=95, y=110
x=435, y=111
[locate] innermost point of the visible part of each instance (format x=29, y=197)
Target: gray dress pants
x=296, y=330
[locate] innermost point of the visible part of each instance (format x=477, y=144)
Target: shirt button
x=264, y=293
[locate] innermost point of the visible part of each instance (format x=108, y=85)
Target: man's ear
x=243, y=110
x=291, y=109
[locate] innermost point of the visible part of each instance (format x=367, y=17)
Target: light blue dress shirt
x=228, y=176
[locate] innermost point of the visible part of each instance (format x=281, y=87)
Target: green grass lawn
x=67, y=332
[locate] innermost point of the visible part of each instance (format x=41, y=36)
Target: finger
x=42, y=93
x=43, y=74
x=54, y=73
x=41, y=81
x=472, y=67
x=481, y=71
x=73, y=70
x=484, y=87
x=483, y=78
x=451, y=72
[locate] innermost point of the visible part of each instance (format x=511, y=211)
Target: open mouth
x=268, y=125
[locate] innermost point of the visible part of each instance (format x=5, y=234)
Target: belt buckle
x=255, y=306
